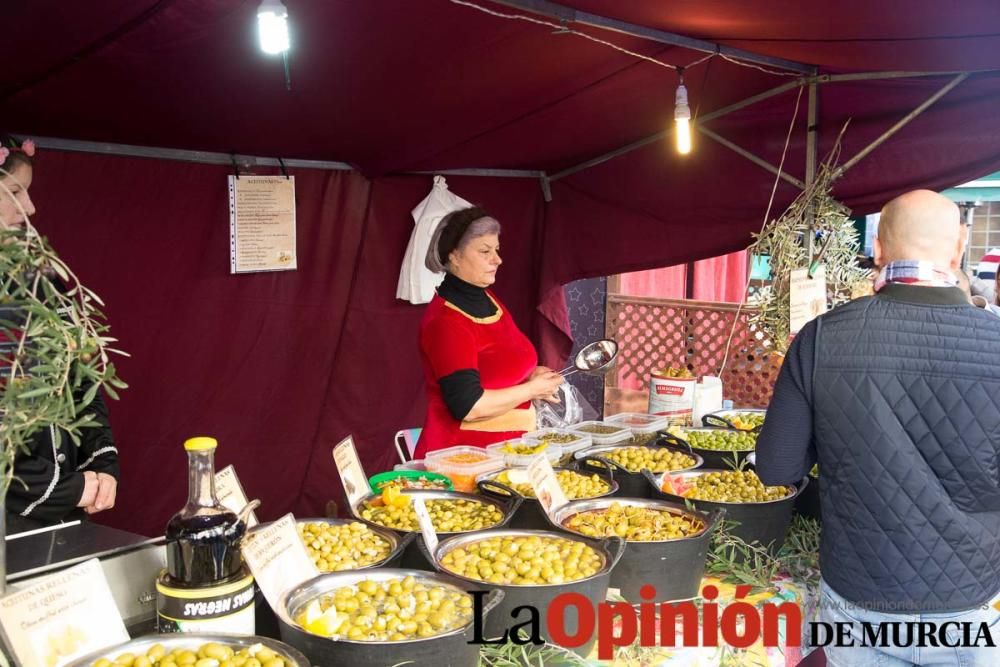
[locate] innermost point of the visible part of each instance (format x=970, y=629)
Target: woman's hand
x=540, y=370
x=99, y=492
x=90, y=487
x=544, y=384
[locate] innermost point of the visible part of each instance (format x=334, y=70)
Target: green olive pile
x=448, y=516
x=211, y=654
x=413, y=483
x=746, y=421
x=655, y=459
x=575, y=485
x=600, y=429
x=557, y=438
x=634, y=523
x=343, y=547
x=395, y=610
x=733, y=486
x=524, y=560
x=722, y=440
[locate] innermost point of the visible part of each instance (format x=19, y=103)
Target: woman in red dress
x=482, y=372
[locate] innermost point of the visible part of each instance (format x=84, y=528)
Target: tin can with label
x=226, y=607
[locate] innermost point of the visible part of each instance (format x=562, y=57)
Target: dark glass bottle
x=203, y=539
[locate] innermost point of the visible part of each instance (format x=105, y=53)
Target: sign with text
x=546, y=485
x=261, y=223
x=61, y=617
x=230, y=493
x=352, y=475
x=278, y=558
x=807, y=297
x=426, y=525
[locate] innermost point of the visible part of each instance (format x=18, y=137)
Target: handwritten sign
x=62, y=617
x=230, y=493
x=352, y=475
x=807, y=297
x=426, y=525
x=546, y=485
x=261, y=223
x=278, y=558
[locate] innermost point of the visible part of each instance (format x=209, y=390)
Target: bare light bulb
x=682, y=120
x=272, y=26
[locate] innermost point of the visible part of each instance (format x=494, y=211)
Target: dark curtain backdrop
x=278, y=366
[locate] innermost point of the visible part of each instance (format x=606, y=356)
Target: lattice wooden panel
x=659, y=333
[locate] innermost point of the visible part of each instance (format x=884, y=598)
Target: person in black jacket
x=57, y=480
x=897, y=397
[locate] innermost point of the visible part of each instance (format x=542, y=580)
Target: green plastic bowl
x=382, y=477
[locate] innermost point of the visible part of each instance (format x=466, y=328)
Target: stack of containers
x=552, y=451
x=644, y=427
x=568, y=441
x=463, y=464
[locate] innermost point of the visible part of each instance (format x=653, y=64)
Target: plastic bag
x=572, y=408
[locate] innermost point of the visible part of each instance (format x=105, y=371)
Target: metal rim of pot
x=722, y=419
x=185, y=640
x=574, y=507
x=592, y=454
x=610, y=548
x=397, y=542
x=506, y=507
x=671, y=439
x=657, y=481
x=489, y=486
x=350, y=578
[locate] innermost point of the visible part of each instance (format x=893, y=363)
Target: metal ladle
x=595, y=358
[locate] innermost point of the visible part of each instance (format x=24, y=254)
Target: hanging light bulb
x=272, y=26
x=682, y=119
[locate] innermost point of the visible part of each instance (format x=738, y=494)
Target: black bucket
x=723, y=418
x=594, y=588
x=673, y=567
x=713, y=458
x=530, y=515
x=807, y=502
x=412, y=556
x=451, y=649
x=630, y=484
x=762, y=523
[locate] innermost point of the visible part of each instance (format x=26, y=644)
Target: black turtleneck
x=472, y=300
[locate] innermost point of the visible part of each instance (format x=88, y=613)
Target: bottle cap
x=200, y=444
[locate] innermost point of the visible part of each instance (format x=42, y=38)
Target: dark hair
x=16, y=155
x=450, y=232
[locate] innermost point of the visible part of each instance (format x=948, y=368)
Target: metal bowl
x=630, y=484
x=723, y=418
x=438, y=650
x=530, y=514
x=713, y=458
x=657, y=480
x=140, y=645
x=563, y=514
x=397, y=542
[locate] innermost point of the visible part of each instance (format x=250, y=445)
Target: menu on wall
x=261, y=223
x=61, y=617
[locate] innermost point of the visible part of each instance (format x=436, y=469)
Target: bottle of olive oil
x=206, y=587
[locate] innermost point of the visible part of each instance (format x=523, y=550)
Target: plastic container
x=409, y=479
x=644, y=426
x=462, y=464
x=552, y=452
x=620, y=434
x=415, y=464
x=568, y=441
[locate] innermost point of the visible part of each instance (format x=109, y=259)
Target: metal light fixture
x=682, y=118
x=272, y=27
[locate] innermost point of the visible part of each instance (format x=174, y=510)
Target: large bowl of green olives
x=189, y=648
x=628, y=462
x=450, y=511
x=386, y=616
x=531, y=567
x=717, y=446
x=575, y=484
x=758, y=514
x=660, y=537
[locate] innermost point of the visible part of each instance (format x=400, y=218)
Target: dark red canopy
x=393, y=86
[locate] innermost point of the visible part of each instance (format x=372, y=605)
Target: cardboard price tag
x=351, y=473
x=806, y=297
x=546, y=485
x=426, y=525
x=230, y=493
x=278, y=558
x=62, y=617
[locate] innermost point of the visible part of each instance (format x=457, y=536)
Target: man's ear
x=879, y=256
x=956, y=260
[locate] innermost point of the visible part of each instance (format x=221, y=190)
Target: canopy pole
x=750, y=156
x=811, y=148
x=902, y=123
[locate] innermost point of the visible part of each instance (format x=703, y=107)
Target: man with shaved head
x=897, y=397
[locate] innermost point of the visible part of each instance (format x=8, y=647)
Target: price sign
x=546, y=485
x=62, y=617
x=426, y=525
x=351, y=473
x=806, y=296
x=230, y=493
x=278, y=558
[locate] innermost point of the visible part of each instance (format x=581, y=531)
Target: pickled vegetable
x=557, y=438
x=448, y=516
x=746, y=421
x=524, y=560
x=634, y=523
x=575, y=485
x=343, y=547
x=600, y=429
x=655, y=459
x=394, y=610
x=421, y=482
x=722, y=440
x=524, y=448
x=674, y=373
x=733, y=486
x=211, y=654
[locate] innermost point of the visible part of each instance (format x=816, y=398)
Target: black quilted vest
x=906, y=403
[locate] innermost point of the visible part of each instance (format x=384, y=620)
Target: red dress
x=451, y=340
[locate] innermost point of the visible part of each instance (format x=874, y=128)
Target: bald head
x=920, y=225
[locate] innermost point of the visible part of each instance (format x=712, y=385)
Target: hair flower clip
x=4, y=152
x=28, y=147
